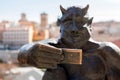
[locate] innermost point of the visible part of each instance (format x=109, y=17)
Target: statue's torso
x=92, y=68
x=94, y=64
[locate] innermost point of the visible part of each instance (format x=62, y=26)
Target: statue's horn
x=85, y=9
x=62, y=10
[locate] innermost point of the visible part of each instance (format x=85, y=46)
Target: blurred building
x=42, y=31
x=3, y=25
x=54, y=30
x=17, y=36
x=25, y=22
x=44, y=20
x=10, y=31
x=106, y=31
x=40, y=34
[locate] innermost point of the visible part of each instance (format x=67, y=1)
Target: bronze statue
x=101, y=60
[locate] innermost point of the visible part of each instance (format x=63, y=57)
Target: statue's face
x=75, y=28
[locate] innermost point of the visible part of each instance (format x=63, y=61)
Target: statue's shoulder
x=109, y=47
x=111, y=55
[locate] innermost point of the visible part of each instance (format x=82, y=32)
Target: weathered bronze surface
x=101, y=60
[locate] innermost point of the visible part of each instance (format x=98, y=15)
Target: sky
x=101, y=10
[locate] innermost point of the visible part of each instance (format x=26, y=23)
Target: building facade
x=44, y=20
x=17, y=36
x=3, y=25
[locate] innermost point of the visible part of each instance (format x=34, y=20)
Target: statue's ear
x=90, y=21
x=63, y=10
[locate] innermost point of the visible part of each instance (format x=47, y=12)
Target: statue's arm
x=111, y=54
x=24, y=52
x=40, y=55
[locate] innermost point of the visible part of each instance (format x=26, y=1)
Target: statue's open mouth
x=75, y=35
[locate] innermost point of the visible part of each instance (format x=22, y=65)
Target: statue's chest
x=92, y=67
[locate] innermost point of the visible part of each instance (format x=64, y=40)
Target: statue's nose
x=74, y=32
x=74, y=28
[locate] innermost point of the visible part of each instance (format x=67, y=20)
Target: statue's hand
x=41, y=56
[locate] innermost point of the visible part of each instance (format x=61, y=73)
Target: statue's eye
x=67, y=22
x=80, y=22
x=81, y=29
